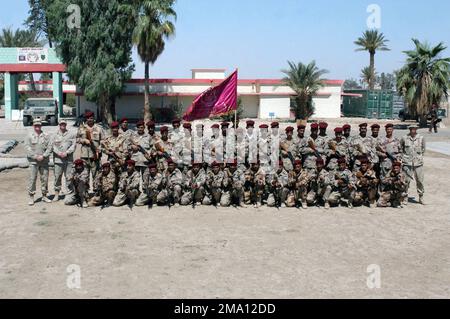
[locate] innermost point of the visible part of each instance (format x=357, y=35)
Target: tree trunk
x=372, y=71
x=107, y=105
x=147, y=113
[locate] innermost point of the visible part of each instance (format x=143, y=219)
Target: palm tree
x=305, y=80
x=368, y=76
x=425, y=78
x=21, y=38
x=372, y=41
x=152, y=29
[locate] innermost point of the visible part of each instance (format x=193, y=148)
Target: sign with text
x=32, y=55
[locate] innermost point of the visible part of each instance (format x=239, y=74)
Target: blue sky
x=259, y=36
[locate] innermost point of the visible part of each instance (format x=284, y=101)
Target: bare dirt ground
x=225, y=252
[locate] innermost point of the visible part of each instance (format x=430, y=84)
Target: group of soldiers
x=143, y=168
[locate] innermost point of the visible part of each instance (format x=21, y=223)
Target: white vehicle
x=43, y=109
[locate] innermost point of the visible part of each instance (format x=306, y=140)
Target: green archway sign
x=14, y=61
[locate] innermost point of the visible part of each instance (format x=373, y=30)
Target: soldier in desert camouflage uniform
x=298, y=182
x=129, y=184
x=312, y=150
x=114, y=148
x=173, y=181
x=413, y=149
x=360, y=147
x=194, y=183
x=389, y=150
x=254, y=185
x=38, y=147
x=251, y=143
x=63, y=147
x=153, y=183
x=375, y=142
x=164, y=149
x=366, y=185
x=288, y=149
x=80, y=182
x=277, y=187
x=90, y=149
x=301, y=141
x=153, y=137
x=176, y=139
x=263, y=148
x=320, y=185
x=344, y=185
x=393, y=187
x=233, y=186
x=139, y=148
x=323, y=138
x=105, y=187
x=214, y=184
x=335, y=149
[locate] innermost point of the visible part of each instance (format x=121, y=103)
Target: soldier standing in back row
x=413, y=149
x=114, y=147
x=389, y=150
x=38, y=147
x=89, y=137
x=360, y=147
x=63, y=146
x=139, y=148
x=335, y=149
x=288, y=149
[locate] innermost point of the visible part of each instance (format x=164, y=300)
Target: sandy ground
x=225, y=253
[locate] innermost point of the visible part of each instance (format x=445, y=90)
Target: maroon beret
x=397, y=163
x=389, y=125
x=301, y=126
x=78, y=162
x=289, y=129
x=131, y=162
x=225, y=124
x=215, y=164
x=314, y=126
x=264, y=126
x=347, y=127
x=123, y=120
x=274, y=124
x=164, y=129
x=341, y=160
x=187, y=125
x=375, y=126
x=363, y=125
x=107, y=164
x=297, y=162
x=338, y=130
x=215, y=126
x=115, y=124
x=140, y=123
x=176, y=121
x=250, y=123
x=319, y=160
x=152, y=165
x=323, y=125
x=88, y=114
x=150, y=124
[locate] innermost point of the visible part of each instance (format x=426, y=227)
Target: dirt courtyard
x=225, y=252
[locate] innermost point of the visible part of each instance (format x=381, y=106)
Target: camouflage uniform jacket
x=137, y=156
x=299, y=179
x=80, y=177
x=36, y=145
x=309, y=154
x=347, y=178
x=281, y=178
x=152, y=182
x=63, y=143
x=233, y=180
x=413, y=150
x=391, y=146
x=360, y=146
x=335, y=149
x=365, y=180
x=97, y=135
x=215, y=180
x=394, y=182
x=174, y=178
x=106, y=183
x=321, y=179
x=116, y=144
x=129, y=182
x=190, y=179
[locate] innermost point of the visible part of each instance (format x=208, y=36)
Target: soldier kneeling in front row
x=366, y=185
x=320, y=186
x=80, y=182
x=128, y=186
x=105, y=187
x=393, y=188
x=344, y=185
x=152, y=186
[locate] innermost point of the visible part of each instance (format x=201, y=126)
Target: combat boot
x=421, y=200
x=56, y=198
x=31, y=200
x=45, y=199
x=326, y=205
x=304, y=205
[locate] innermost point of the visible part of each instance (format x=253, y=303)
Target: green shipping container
x=374, y=104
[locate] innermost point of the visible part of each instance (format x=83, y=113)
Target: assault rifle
x=91, y=144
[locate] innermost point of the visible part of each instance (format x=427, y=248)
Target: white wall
x=250, y=106
x=280, y=105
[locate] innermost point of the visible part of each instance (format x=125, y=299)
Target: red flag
x=215, y=101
